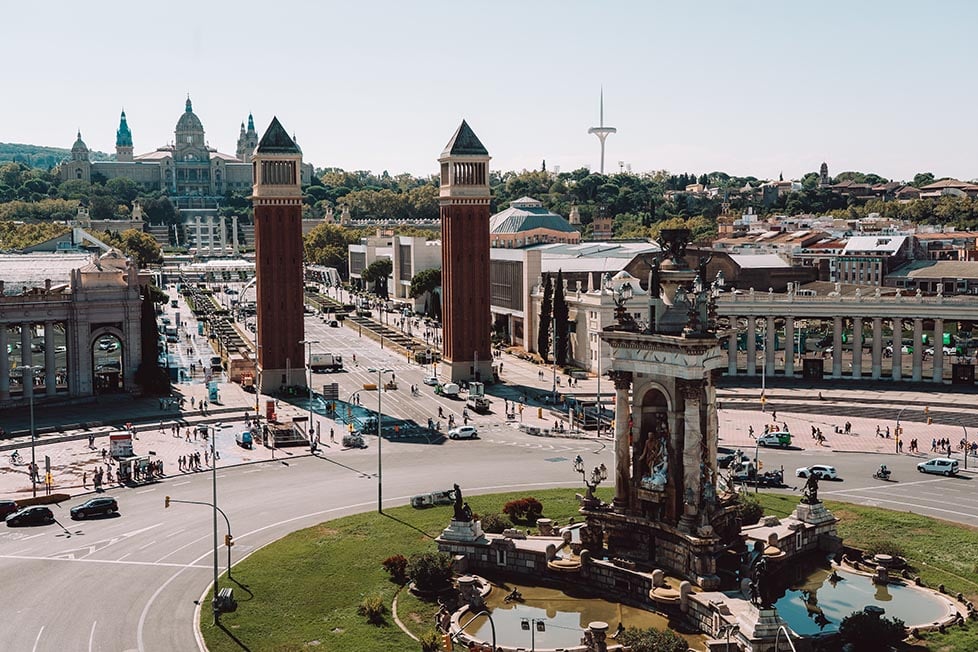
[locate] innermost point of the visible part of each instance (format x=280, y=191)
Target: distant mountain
x=41, y=157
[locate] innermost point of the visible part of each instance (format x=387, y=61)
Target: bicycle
x=15, y=457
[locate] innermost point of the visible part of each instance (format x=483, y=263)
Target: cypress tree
x=560, y=311
x=546, y=310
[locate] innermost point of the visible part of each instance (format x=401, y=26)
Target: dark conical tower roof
x=276, y=141
x=123, y=136
x=465, y=142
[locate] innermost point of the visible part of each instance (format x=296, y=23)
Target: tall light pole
x=27, y=382
x=896, y=435
x=380, y=438
x=309, y=344
x=213, y=430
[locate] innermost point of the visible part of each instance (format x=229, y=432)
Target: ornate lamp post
x=598, y=474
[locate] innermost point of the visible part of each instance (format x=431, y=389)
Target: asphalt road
x=129, y=583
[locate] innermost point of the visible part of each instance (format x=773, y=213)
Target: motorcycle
x=882, y=475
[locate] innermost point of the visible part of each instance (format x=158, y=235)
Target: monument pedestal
x=465, y=531
x=760, y=624
x=814, y=514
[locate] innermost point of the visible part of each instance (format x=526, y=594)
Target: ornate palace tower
x=464, y=201
x=277, y=199
x=123, y=141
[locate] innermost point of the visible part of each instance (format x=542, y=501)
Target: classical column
x=789, y=347
x=896, y=371
x=938, y=351
x=769, y=346
x=4, y=365
x=751, y=336
x=210, y=234
x=50, y=385
x=224, y=235
x=623, y=436
x=732, y=353
x=837, y=347
x=692, y=474
x=877, y=354
x=917, y=372
x=198, y=232
x=26, y=378
x=857, y=348
x=234, y=235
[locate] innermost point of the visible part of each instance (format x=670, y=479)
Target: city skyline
x=757, y=89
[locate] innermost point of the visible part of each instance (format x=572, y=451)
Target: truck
x=320, y=362
x=477, y=400
x=449, y=390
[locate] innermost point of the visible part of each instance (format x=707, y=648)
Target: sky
x=750, y=88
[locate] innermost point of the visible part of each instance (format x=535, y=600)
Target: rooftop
x=527, y=214
x=465, y=143
x=932, y=269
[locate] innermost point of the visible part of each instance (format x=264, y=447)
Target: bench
x=225, y=602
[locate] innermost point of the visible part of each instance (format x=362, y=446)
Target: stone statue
x=759, y=588
x=811, y=490
x=680, y=297
x=703, y=262
x=462, y=511
x=655, y=282
x=660, y=471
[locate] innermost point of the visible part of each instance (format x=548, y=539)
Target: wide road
x=129, y=583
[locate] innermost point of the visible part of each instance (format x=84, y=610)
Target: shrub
x=652, y=640
x=430, y=641
x=495, y=523
x=868, y=631
x=43, y=500
x=373, y=608
x=430, y=571
x=396, y=565
x=524, y=509
x=749, y=508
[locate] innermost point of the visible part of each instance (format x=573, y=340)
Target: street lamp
x=728, y=631
x=534, y=625
x=896, y=435
x=598, y=474
x=27, y=382
x=380, y=439
x=309, y=344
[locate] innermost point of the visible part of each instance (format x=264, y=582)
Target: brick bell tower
x=277, y=199
x=464, y=206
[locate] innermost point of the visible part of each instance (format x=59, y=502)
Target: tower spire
x=601, y=131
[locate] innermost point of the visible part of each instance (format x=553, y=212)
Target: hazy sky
x=745, y=87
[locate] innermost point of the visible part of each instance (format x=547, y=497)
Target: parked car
x=782, y=439
x=948, y=350
x=36, y=515
x=941, y=465
x=431, y=380
x=463, y=432
x=7, y=507
x=822, y=471
x=434, y=498
x=101, y=506
x=333, y=323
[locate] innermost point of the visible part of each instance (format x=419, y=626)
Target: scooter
x=884, y=475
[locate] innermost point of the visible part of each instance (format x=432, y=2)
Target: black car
x=36, y=515
x=7, y=507
x=95, y=506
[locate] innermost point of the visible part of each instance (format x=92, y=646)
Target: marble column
x=857, y=348
x=751, y=346
x=234, y=235
x=769, y=346
x=198, y=232
x=224, y=235
x=896, y=373
x=732, y=353
x=623, y=436
x=27, y=376
x=877, y=353
x=837, y=347
x=917, y=373
x=789, y=347
x=210, y=235
x=4, y=365
x=691, y=392
x=938, y=351
x=50, y=384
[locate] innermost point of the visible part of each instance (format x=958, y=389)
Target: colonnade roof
x=32, y=270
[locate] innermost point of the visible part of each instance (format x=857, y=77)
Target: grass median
x=303, y=591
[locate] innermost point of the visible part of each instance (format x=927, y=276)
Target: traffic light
x=760, y=464
x=446, y=642
x=166, y=503
x=228, y=540
x=930, y=421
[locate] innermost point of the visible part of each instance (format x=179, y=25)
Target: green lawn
x=302, y=592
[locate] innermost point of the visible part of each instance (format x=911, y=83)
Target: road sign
x=47, y=465
x=331, y=392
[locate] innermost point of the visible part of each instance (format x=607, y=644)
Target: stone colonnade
x=25, y=358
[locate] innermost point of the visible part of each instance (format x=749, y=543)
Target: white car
x=431, y=380
x=822, y=471
x=940, y=465
x=463, y=432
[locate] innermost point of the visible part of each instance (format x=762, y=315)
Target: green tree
x=546, y=314
x=327, y=245
x=377, y=273
x=124, y=190
x=102, y=207
x=652, y=640
x=867, y=632
x=561, y=339
x=425, y=281
x=142, y=247
x=922, y=179
x=149, y=375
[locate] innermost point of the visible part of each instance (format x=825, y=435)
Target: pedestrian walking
x=84, y=479
x=332, y=435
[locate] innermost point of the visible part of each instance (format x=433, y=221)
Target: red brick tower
x=464, y=201
x=277, y=198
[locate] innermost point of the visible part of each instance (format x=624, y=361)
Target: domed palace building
x=188, y=170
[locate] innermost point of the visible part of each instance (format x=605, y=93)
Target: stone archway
x=108, y=364
x=652, y=449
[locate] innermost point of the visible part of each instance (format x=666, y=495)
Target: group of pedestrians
x=191, y=462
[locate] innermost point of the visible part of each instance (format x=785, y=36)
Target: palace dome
x=189, y=120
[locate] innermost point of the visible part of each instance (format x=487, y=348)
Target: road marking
x=177, y=484
x=146, y=491
x=889, y=486
x=906, y=504
x=252, y=470
x=186, y=545
x=174, y=533
x=147, y=545
x=91, y=637
x=110, y=561
x=38, y=639
x=123, y=556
